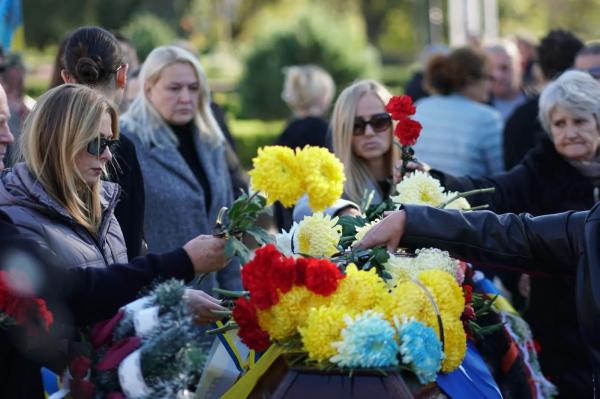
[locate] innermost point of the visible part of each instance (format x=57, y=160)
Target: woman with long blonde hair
x=362, y=133
x=56, y=196
x=363, y=139
x=181, y=151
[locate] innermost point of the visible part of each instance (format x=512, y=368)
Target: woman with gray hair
x=562, y=173
x=181, y=152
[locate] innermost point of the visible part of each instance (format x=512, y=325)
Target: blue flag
x=11, y=25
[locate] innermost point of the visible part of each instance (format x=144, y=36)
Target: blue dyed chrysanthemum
x=367, y=341
x=421, y=348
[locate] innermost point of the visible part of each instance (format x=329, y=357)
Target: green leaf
x=260, y=235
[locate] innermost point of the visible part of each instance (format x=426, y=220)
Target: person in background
x=506, y=70
x=92, y=56
x=182, y=155
x=588, y=59
x=415, y=88
x=58, y=65
x=130, y=55
x=556, y=54
x=20, y=104
x=6, y=137
x=308, y=91
x=528, y=56
x=461, y=134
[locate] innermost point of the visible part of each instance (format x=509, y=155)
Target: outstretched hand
x=201, y=306
x=207, y=253
x=388, y=232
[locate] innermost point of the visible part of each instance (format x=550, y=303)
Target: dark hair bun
x=447, y=74
x=87, y=71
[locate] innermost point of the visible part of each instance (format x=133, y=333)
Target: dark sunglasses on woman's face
x=379, y=123
x=97, y=146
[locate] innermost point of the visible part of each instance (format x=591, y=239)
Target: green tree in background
x=147, y=31
x=335, y=41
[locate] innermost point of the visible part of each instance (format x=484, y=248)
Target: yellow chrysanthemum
x=410, y=300
x=277, y=174
x=361, y=289
x=323, y=327
x=455, y=343
x=323, y=176
x=446, y=291
x=419, y=188
x=459, y=203
x=317, y=236
x=361, y=232
x=282, y=320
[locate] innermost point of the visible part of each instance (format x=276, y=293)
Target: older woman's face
x=176, y=93
x=576, y=137
x=91, y=166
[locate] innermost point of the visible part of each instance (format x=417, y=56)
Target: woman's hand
x=411, y=166
x=201, y=304
x=388, y=232
x=207, y=253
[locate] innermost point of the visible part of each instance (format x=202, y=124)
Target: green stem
x=231, y=294
x=466, y=194
x=221, y=312
x=225, y=328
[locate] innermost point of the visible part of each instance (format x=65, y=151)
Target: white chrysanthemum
x=361, y=232
x=317, y=236
x=399, y=267
x=283, y=240
x=404, y=267
x=459, y=203
x=433, y=258
x=420, y=189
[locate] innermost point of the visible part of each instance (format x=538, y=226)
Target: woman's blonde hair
x=145, y=120
x=61, y=124
x=358, y=177
x=307, y=89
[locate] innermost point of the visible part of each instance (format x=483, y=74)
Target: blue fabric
x=460, y=136
x=485, y=285
x=50, y=381
x=471, y=380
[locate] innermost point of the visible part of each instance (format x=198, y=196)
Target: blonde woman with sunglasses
x=56, y=196
x=362, y=136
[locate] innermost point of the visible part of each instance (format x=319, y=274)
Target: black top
x=187, y=149
x=522, y=132
x=88, y=295
x=414, y=87
x=125, y=171
x=305, y=131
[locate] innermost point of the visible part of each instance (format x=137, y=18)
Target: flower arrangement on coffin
x=149, y=349
x=18, y=308
x=352, y=318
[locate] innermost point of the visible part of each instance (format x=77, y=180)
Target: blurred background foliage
x=245, y=44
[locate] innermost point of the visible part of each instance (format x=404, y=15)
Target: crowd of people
x=114, y=178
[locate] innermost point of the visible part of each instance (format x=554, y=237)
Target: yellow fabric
x=244, y=386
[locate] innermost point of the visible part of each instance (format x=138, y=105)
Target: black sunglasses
x=97, y=146
x=379, y=123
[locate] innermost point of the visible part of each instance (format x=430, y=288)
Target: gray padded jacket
x=40, y=217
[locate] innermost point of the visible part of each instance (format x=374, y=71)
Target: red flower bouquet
x=20, y=309
x=407, y=130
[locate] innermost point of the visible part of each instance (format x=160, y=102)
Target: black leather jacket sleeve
x=548, y=244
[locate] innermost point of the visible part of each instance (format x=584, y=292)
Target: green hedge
x=250, y=134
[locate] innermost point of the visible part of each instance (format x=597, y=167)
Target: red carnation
x=322, y=276
x=468, y=291
x=244, y=314
x=468, y=313
x=400, y=107
x=282, y=274
x=82, y=389
x=407, y=131
x=79, y=367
